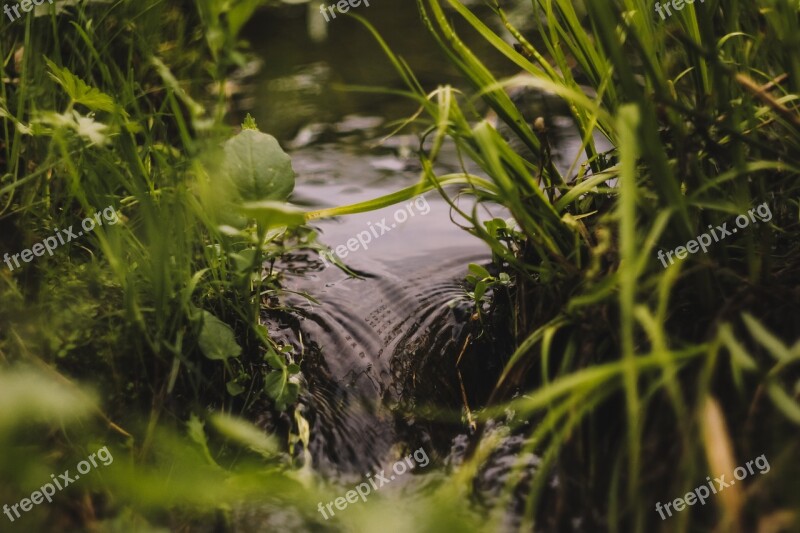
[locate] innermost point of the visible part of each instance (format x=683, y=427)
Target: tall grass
x=108, y=105
x=640, y=381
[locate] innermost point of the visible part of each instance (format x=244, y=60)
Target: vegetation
x=621, y=364
x=160, y=313
x=631, y=382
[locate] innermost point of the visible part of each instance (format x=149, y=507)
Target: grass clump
x=107, y=106
x=639, y=381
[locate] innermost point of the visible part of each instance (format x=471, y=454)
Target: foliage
x=160, y=312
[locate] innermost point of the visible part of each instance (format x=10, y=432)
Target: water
x=409, y=297
x=379, y=350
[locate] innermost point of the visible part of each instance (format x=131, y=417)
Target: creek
x=379, y=350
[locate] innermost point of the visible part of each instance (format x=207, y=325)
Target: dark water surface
x=409, y=297
x=375, y=348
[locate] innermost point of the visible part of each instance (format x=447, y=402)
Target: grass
x=631, y=382
x=141, y=325
x=622, y=364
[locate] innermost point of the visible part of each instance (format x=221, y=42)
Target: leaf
x=244, y=260
x=479, y=271
x=290, y=397
x=258, y=167
x=270, y=213
x=274, y=361
x=245, y=434
x=275, y=384
x=234, y=389
x=28, y=395
x=739, y=355
x=249, y=123
x=217, y=340
x=773, y=345
x=480, y=290
x=79, y=91
x=198, y=435
x=785, y=403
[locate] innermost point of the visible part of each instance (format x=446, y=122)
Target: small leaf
x=275, y=384
x=292, y=392
x=234, y=389
x=480, y=290
x=249, y=123
x=244, y=259
x=217, y=340
x=78, y=90
x=479, y=271
x=293, y=369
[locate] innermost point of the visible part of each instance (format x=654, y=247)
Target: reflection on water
x=301, y=78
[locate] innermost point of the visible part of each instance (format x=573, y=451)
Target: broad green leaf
x=217, y=340
x=258, y=167
x=290, y=397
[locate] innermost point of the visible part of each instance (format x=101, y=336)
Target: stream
x=379, y=350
